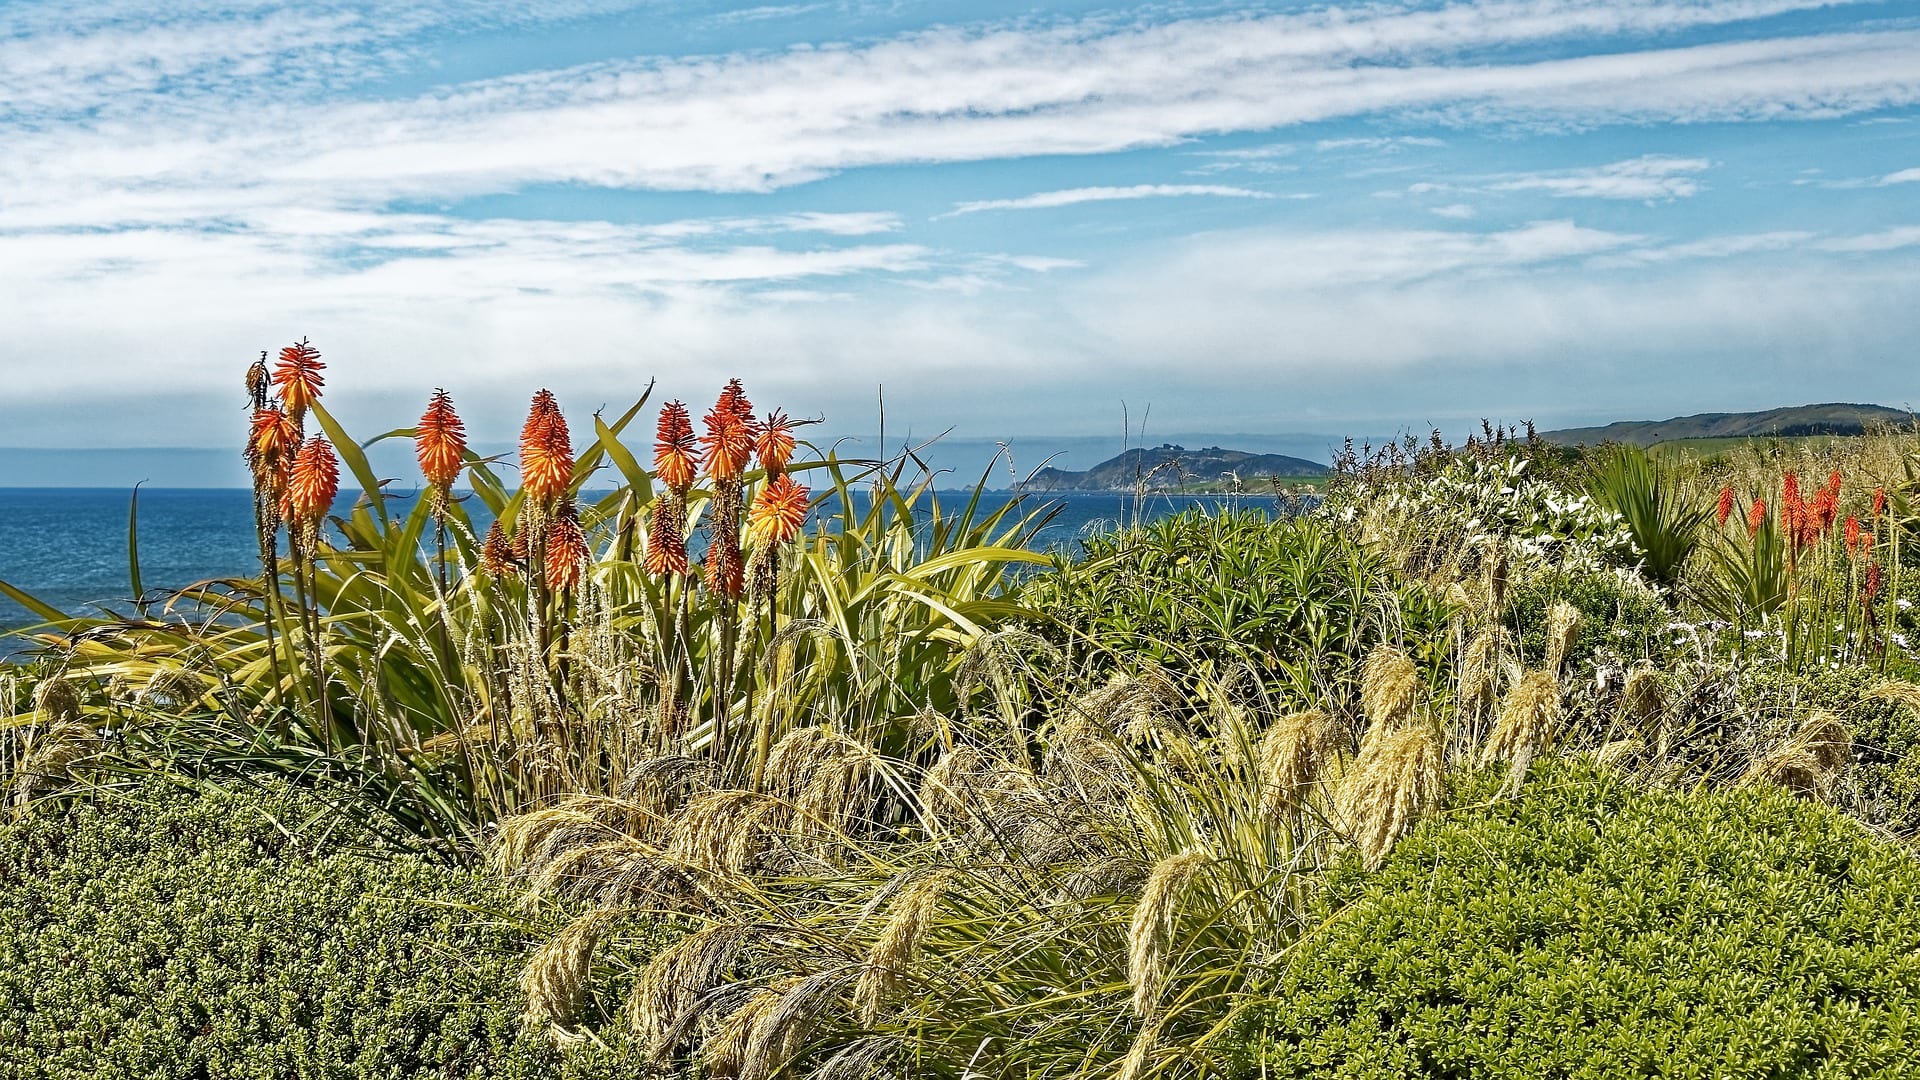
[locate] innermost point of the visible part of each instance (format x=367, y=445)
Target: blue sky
x=1271, y=219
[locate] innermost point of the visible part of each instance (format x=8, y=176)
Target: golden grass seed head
x=908, y=923
x=1390, y=686
x=664, y=996
x=57, y=701
x=1396, y=780
x=555, y=979
x=1905, y=694
x=1294, y=755
x=1563, y=627
x=1527, y=718
x=1152, y=929
x=1644, y=696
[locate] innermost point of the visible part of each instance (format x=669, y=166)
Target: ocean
x=68, y=546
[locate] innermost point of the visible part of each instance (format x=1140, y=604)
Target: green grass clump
x=228, y=934
x=1592, y=929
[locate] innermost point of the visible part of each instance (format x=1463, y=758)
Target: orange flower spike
x=726, y=573
x=773, y=442
x=298, y=377
x=1726, y=504
x=728, y=443
x=313, y=481
x=1756, y=516
x=676, y=455
x=1853, y=535
x=1824, y=509
x=546, y=451
x=733, y=398
x=1879, y=501
x=273, y=436
x=1833, y=483
x=778, y=512
x=567, y=551
x=1871, y=588
x=666, y=544
x=440, y=442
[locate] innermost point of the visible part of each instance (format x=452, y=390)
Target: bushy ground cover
x=157, y=931
x=1595, y=928
x=896, y=797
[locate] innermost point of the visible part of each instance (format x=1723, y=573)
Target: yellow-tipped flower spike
x=440, y=442
x=312, y=482
x=773, y=442
x=567, y=550
x=676, y=456
x=298, y=377
x=728, y=441
x=778, y=512
x=546, y=451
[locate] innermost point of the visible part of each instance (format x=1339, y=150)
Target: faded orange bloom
x=773, y=442
x=1879, y=501
x=298, y=377
x=546, y=451
x=312, y=482
x=567, y=550
x=1826, y=506
x=1756, y=516
x=778, y=512
x=667, y=537
x=271, y=438
x=258, y=383
x=676, y=456
x=1726, y=504
x=440, y=442
x=1871, y=588
x=733, y=398
x=1853, y=535
x=728, y=442
x=1833, y=483
x=496, y=554
x=726, y=574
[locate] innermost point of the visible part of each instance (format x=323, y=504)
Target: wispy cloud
x=1047, y=200
x=1904, y=176
x=1650, y=178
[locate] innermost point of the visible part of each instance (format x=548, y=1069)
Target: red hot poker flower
x=298, y=377
x=546, y=451
x=1726, y=504
x=1871, y=588
x=773, y=442
x=567, y=551
x=733, y=398
x=1756, y=516
x=440, y=442
x=727, y=441
x=676, y=457
x=1853, y=535
x=1879, y=501
x=666, y=538
x=778, y=512
x=273, y=436
x=312, y=483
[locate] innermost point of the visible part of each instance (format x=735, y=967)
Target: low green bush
x=1592, y=929
x=229, y=934
x=1292, y=599
x=1617, y=615
x=1882, y=787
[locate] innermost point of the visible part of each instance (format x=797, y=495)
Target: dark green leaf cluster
x=1292, y=599
x=1883, y=786
x=230, y=934
x=1591, y=929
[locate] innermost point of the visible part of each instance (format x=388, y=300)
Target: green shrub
x=1616, y=614
x=1293, y=599
x=1882, y=787
x=1589, y=929
x=228, y=934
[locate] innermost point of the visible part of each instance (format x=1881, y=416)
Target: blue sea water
x=68, y=546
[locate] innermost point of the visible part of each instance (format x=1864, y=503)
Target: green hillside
x=1790, y=422
x=1169, y=468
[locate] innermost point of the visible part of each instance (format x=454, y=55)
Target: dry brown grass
x=1294, y=757
x=1390, y=686
x=1527, y=725
x=1809, y=760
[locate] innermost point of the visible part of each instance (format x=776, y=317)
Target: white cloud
x=1650, y=178
x=1891, y=239
x=1047, y=200
x=1455, y=211
x=1388, y=144
x=1904, y=176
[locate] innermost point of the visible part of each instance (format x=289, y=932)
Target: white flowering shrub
x=1474, y=507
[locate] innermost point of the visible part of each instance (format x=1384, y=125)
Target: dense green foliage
x=1594, y=929
x=232, y=934
x=1665, y=524
x=1616, y=614
x=1293, y=599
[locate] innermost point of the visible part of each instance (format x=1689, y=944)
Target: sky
x=1283, y=221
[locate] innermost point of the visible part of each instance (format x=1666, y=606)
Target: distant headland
x=1169, y=467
